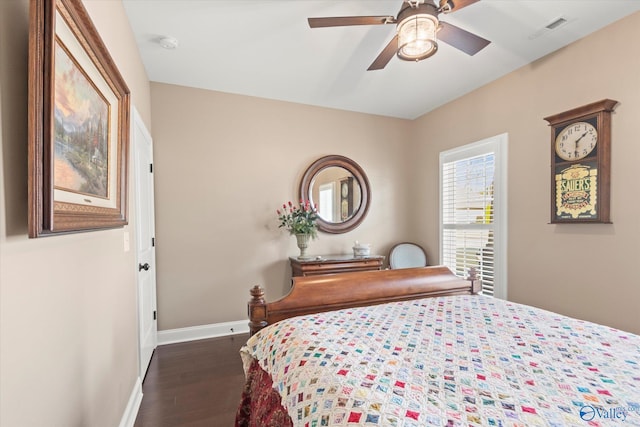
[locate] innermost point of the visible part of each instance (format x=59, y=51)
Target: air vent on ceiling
x=553, y=25
x=556, y=23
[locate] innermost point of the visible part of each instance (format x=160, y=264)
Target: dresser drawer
x=331, y=264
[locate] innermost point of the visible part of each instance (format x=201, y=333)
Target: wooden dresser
x=329, y=264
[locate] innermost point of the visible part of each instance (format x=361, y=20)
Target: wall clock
x=346, y=198
x=581, y=163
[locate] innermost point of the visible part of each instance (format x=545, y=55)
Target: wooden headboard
x=314, y=294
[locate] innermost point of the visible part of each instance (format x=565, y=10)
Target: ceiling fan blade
x=461, y=39
x=457, y=4
x=341, y=21
x=385, y=56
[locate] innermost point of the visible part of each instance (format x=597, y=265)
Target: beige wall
x=585, y=271
x=68, y=338
x=224, y=164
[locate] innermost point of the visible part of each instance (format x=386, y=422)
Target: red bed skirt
x=260, y=405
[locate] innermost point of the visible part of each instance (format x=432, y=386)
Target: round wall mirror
x=340, y=189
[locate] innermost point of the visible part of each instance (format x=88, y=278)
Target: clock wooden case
x=581, y=163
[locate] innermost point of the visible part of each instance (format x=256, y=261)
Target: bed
x=418, y=347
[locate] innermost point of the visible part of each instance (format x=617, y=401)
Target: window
x=473, y=212
x=326, y=201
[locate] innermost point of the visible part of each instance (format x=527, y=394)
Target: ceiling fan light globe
x=417, y=51
x=417, y=37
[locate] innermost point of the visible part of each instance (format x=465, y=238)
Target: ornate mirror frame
x=361, y=178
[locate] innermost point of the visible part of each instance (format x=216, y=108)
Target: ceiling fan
x=416, y=27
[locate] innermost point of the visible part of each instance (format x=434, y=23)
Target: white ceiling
x=274, y=54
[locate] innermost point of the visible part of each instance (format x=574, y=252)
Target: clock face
x=345, y=189
x=576, y=141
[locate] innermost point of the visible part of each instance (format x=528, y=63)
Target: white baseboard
x=171, y=336
x=131, y=412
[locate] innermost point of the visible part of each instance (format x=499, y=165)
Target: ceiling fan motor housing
x=416, y=29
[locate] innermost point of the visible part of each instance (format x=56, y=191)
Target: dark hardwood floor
x=193, y=384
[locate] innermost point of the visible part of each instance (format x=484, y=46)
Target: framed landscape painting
x=78, y=124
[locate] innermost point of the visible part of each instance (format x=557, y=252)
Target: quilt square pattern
x=450, y=361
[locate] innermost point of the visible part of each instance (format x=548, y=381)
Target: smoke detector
x=168, y=42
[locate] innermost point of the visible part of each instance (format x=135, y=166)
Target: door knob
x=144, y=267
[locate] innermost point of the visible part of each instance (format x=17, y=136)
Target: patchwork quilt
x=465, y=360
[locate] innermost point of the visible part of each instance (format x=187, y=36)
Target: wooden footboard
x=314, y=294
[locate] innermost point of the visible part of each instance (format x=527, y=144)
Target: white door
x=145, y=241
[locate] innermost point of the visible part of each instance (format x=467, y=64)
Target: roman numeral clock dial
x=581, y=163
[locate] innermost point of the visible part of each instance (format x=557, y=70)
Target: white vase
x=303, y=243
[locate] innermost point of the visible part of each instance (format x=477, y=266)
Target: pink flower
x=298, y=219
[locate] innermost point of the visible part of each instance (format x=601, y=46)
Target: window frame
x=498, y=145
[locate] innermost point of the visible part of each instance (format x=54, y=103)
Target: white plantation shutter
x=473, y=233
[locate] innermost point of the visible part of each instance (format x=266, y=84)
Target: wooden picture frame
x=78, y=124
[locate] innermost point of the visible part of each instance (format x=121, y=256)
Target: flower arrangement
x=299, y=219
